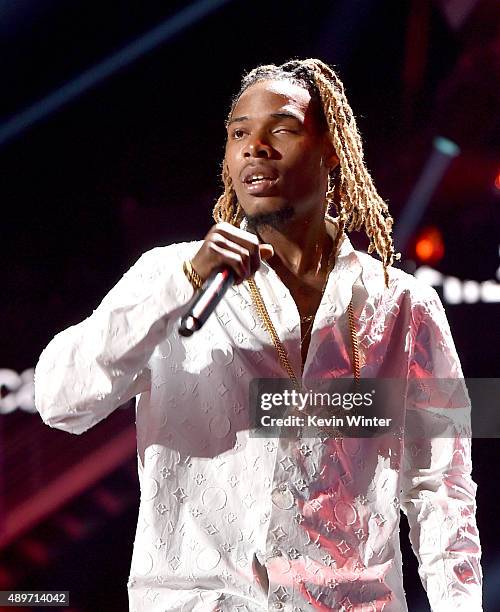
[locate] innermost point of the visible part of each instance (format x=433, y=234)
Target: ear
x=333, y=161
x=330, y=157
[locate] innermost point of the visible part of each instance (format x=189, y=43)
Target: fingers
x=244, y=239
x=238, y=258
x=227, y=245
x=266, y=251
x=237, y=232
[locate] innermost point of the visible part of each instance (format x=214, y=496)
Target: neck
x=302, y=246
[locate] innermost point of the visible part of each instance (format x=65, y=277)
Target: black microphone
x=205, y=301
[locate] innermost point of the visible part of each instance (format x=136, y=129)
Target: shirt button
x=278, y=605
x=282, y=486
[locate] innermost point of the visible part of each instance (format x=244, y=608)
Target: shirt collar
x=370, y=279
x=347, y=270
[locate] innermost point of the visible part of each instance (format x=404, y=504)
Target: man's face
x=272, y=134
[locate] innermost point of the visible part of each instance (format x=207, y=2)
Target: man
x=231, y=521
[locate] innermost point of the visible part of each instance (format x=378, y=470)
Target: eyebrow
x=275, y=115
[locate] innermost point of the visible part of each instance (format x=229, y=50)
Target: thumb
x=266, y=251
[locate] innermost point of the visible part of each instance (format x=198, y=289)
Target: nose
x=256, y=146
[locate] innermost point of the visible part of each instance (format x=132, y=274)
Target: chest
x=307, y=295
x=306, y=291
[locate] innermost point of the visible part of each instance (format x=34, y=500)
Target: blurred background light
x=429, y=245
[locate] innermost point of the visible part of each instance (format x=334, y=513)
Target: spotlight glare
x=446, y=146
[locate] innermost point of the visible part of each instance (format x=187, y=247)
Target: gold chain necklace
x=310, y=318
x=282, y=354
x=280, y=349
x=283, y=357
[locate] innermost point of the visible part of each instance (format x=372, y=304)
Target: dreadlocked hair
x=350, y=190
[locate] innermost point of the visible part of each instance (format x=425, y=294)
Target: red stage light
x=497, y=181
x=429, y=246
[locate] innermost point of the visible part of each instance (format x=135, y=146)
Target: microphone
x=205, y=301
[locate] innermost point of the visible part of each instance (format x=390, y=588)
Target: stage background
x=103, y=161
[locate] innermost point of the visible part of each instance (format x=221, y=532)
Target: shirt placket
x=286, y=541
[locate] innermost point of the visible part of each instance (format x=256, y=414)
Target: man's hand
x=227, y=245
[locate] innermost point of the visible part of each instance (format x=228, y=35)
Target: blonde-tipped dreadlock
x=350, y=187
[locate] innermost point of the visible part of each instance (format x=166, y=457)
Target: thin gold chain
x=310, y=318
x=283, y=357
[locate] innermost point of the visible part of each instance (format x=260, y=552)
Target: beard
x=276, y=220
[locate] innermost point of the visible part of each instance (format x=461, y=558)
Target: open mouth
x=259, y=183
x=259, y=186
x=259, y=178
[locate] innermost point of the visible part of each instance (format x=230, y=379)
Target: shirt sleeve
x=438, y=493
x=90, y=369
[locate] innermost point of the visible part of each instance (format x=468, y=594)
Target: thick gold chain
x=354, y=342
x=264, y=315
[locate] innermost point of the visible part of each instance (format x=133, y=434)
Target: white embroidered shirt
x=220, y=508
